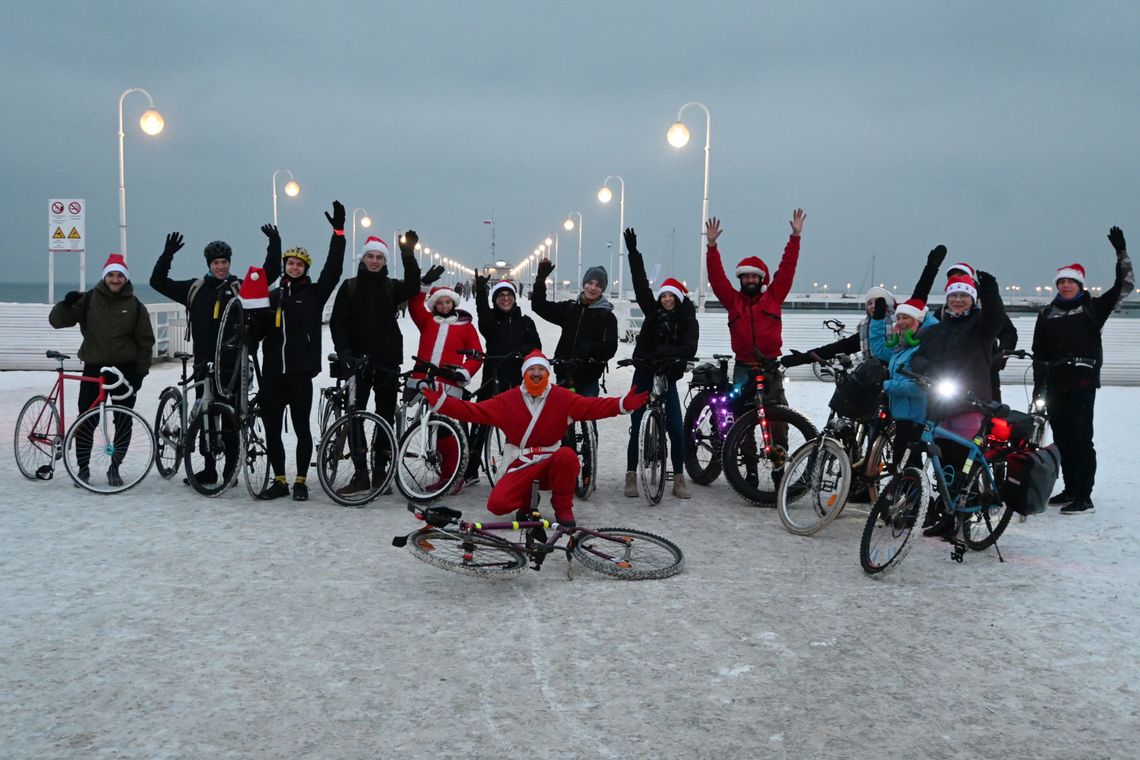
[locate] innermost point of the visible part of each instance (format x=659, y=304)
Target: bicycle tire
x=651, y=456
x=822, y=373
x=207, y=437
x=335, y=465
x=650, y=557
x=983, y=528
x=329, y=412
x=168, y=432
x=815, y=487
x=419, y=474
x=897, y=516
x=703, y=439
x=255, y=455
x=800, y=430
x=586, y=446
x=107, y=450
x=228, y=350
x=494, y=455
x=36, y=441
x=467, y=554
x=880, y=466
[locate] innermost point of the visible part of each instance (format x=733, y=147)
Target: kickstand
x=998, y=550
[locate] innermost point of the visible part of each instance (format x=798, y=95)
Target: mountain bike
x=479, y=548
x=582, y=435
x=652, y=460
x=823, y=371
x=709, y=413
x=976, y=509
x=420, y=473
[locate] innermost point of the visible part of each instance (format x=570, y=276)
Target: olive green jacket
x=116, y=327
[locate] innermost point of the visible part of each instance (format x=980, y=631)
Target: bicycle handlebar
x=120, y=380
x=988, y=408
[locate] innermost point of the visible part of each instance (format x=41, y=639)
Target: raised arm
x=334, y=265
x=273, y=262
x=721, y=286
x=1104, y=304
x=483, y=307
x=177, y=291
x=993, y=309
x=925, y=282
x=641, y=291
x=786, y=271
x=551, y=312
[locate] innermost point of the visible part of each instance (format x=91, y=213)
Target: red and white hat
x=254, y=293
x=1072, y=272
x=915, y=308
x=535, y=357
x=674, y=286
x=438, y=292
x=116, y=263
x=960, y=283
x=754, y=265
x=503, y=285
x=880, y=292
x=964, y=268
x=374, y=243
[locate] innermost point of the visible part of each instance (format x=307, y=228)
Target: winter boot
x=360, y=483
x=114, y=479
x=300, y=490
x=680, y=490
x=631, y=485
x=276, y=489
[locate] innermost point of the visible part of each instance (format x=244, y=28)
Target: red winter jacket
x=755, y=320
x=441, y=338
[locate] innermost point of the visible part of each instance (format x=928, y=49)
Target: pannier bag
x=708, y=375
x=858, y=395
x=1016, y=427
x=1029, y=479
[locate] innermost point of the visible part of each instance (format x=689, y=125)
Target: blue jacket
x=908, y=400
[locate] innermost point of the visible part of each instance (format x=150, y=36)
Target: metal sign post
x=66, y=234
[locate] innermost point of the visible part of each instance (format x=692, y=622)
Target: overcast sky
x=1007, y=131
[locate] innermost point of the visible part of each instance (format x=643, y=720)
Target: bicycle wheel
x=815, y=486
x=495, y=455
x=108, y=449
x=982, y=529
x=751, y=473
x=651, y=456
x=880, y=467
x=822, y=372
x=631, y=555
x=168, y=432
x=467, y=554
x=255, y=463
x=329, y=409
x=36, y=440
x=586, y=445
x=897, y=515
x=211, y=453
x=420, y=466
x=703, y=437
x=228, y=351
x=358, y=439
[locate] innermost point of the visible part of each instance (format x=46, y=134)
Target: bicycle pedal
x=45, y=472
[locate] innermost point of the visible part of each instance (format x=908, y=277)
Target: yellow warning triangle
x=73, y=235
x=58, y=234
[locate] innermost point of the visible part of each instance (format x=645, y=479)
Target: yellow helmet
x=298, y=253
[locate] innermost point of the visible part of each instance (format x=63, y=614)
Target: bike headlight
x=1038, y=404
x=946, y=388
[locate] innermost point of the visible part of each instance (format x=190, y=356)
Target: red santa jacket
x=534, y=426
x=441, y=338
x=755, y=320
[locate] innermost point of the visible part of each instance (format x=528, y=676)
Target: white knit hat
x=502, y=285
x=877, y=292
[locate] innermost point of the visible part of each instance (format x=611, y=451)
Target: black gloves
x=1116, y=237
x=880, y=311
x=481, y=283
x=408, y=243
x=936, y=255
x=270, y=231
x=173, y=244
x=795, y=359
x=545, y=267
x=432, y=275
x=72, y=298
x=630, y=240
x=985, y=279
x=337, y=218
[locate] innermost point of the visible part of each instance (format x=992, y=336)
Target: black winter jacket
x=664, y=334
x=588, y=331
x=506, y=332
x=364, y=313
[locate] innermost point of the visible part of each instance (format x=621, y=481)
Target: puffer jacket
x=506, y=332
x=664, y=333
x=363, y=320
x=115, y=327
x=908, y=399
x=588, y=330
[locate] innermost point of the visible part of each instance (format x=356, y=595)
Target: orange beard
x=533, y=388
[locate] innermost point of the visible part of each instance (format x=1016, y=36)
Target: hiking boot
x=360, y=483
x=276, y=490
x=300, y=491
x=1079, y=507
x=631, y=485
x=1062, y=499
x=680, y=490
x=114, y=479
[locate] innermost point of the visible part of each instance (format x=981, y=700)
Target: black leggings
x=296, y=392
x=88, y=392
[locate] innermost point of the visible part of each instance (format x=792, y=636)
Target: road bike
x=652, y=460
x=709, y=413
x=104, y=439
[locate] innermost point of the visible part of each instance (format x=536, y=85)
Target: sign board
x=66, y=224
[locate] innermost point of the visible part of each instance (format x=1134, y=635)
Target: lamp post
x=569, y=225
x=291, y=189
x=364, y=222
x=678, y=137
x=553, y=237
x=151, y=123
x=605, y=195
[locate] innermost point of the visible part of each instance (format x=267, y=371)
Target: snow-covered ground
x=162, y=624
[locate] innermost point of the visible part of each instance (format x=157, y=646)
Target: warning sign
x=66, y=214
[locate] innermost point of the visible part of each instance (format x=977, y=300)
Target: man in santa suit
x=534, y=418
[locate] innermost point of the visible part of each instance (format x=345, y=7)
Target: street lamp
x=678, y=137
x=151, y=123
x=553, y=238
x=605, y=195
x=291, y=189
x=364, y=222
x=569, y=225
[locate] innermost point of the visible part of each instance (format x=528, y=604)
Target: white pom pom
x=254, y=276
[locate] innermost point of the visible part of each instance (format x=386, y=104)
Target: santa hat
x=674, y=286
x=254, y=293
x=878, y=292
x=535, y=357
x=441, y=291
x=502, y=285
x=915, y=308
x=754, y=265
x=960, y=283
x=1072, y=272
x=116, y=263
x=374, y=243
x=964, y=268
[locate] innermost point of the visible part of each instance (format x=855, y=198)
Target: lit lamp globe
x=605, y=195
x=292, y=188
x=549, y=242
x=365, y=221
x=678, y=135
x=152, y=122
x=568, y=224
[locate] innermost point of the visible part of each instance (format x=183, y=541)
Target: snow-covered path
x=162, y=624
